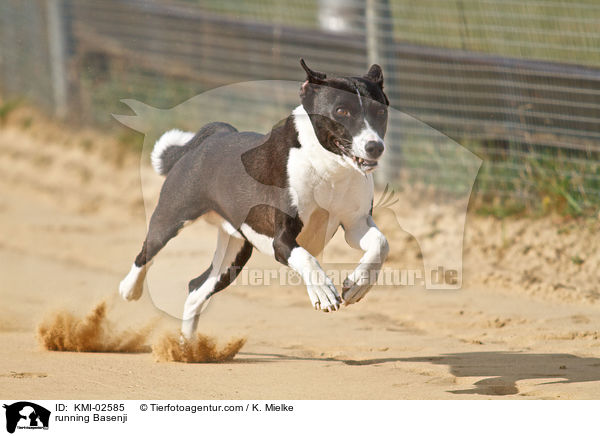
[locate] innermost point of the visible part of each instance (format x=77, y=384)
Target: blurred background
x=515, y=82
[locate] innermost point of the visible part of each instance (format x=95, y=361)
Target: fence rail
x=456, y=66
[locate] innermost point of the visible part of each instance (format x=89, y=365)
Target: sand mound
x=64, y=331
x=201, y=349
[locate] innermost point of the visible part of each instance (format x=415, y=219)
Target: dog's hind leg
x=165, y=224
x=231, y=255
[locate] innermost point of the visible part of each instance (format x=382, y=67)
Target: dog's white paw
x=132, y=286
x=355, y=287
x=324, y=296
x=130, y=293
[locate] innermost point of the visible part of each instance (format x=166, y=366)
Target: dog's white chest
x=325, y=198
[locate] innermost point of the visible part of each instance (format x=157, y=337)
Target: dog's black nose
x=374, y=149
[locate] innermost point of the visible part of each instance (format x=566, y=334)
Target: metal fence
x=517, y=82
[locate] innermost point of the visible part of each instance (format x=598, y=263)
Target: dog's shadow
x=502, y=370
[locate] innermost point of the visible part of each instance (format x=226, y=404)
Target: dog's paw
x=324, y=296
x=130, y=293
x=354, y=290
x=132, y=286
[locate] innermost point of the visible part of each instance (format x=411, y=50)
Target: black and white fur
x=285, y=193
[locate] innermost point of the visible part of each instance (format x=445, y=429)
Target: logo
x=26, y=415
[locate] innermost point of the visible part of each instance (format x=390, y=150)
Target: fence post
x=380, y=49
x=58, y=56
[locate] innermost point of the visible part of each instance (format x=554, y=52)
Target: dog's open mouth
x=362, y=164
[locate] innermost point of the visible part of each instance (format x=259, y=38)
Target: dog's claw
x=333, y=308
x=324, y=296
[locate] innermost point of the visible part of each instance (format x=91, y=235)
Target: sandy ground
x=525, y=324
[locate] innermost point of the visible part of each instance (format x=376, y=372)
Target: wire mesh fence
x=516, y=82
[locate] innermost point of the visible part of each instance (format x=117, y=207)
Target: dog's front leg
x=321, y=291
x=363, y=234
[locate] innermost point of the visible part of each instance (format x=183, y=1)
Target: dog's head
x=348, y=114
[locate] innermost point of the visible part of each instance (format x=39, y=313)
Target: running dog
x=285, y=193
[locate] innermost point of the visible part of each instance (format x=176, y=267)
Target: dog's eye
x=342, y=112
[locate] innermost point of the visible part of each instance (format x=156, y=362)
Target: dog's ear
x=375, y=74
x=313, y=76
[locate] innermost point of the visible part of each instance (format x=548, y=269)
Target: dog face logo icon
x=26, y=415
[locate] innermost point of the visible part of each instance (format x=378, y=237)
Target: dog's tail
x=174, y=144
x=168, y=149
